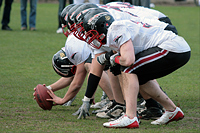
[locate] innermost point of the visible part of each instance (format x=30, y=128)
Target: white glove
x=83, y=110
x=112, y=59
x=101, y=59
x=104, y=57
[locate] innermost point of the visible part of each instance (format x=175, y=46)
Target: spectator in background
x=145, y=3
x=82, y=1
x=6, y=14
x=62, y=4
x=108, y=1
x=32, y=16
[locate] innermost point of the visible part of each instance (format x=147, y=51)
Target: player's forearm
x=71, y=93
x=61, y=83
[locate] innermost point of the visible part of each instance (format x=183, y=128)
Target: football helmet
x=70, y=18
x=64, y=13
x=61, y=64
x=120, y=5
x=63, y=18
x=96, y=23
x=78, y=16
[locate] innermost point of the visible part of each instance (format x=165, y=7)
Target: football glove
x=83, y=110
x=112, y=59
x=116, y=69
x=104, y=57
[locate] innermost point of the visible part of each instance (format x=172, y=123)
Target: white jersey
x=119, y=15
x=131, y=11
x=76, y=50
x=143, y=37
x=137, y=10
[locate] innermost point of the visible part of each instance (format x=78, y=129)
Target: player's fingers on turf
x=80, y=115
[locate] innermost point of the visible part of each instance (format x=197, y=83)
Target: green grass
x=25, y=61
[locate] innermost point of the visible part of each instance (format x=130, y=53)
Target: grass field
x=25, y=61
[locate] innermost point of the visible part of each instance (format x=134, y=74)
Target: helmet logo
x=94, y=19
x=62, y=55
x=107, y=18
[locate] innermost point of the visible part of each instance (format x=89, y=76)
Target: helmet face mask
x=70, y=28
x=67, y=32
x=93, y=38
x=63, y=17
x=79, y=32
x=78, y=17
x=61, y=64
x=96, y=23
x=69, y=18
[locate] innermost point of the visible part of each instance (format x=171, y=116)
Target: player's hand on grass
x=83, y=110
x=77, y=112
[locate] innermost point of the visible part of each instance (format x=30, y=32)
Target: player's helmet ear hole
x=102, y=25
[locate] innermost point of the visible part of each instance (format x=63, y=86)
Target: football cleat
x=104, y=96
x=105, y=108
x=100, y=104
x=123, y=122
x=114, y=112
x=169, y=116
x=150, y=113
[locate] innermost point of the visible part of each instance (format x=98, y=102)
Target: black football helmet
x=81, y=9
x=63, y=18
x=64, y=13
x=78, y=16
x=96, y=23
x=62, y=65
x=70, y=18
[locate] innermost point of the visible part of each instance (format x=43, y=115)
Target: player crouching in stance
x=143, y=52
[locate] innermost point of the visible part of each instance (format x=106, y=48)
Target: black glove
x=109, y=54
x=115, y=69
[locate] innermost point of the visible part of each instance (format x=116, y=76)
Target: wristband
x=49, y=87
x=86, y=98
x=117, y=59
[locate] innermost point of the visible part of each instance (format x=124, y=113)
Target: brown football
x=41, y=95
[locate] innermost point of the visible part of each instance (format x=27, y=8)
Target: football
x=41, y=95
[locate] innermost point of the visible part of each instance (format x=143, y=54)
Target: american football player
x=143, y=52
x=156, y=111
